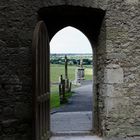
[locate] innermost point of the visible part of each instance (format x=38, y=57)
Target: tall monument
x=79, y=72
x=66, y=73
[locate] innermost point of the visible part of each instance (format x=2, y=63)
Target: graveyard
x=71, y=106
x=59, y=69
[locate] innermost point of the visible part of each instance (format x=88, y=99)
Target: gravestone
x=79, y=73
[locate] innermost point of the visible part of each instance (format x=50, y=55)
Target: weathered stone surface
x=118, y=103
x=113, y=74
x=118, y=110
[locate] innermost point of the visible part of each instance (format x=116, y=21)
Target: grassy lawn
x=56, y=71
x=55, y=101
x=88, y=73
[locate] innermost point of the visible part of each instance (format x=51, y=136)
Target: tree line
x=71, y=61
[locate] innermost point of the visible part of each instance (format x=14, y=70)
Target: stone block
x=23, y=110
x=10, y=122
x=113, y=74
x=8, y=111
x=109, y=90
x=132, y=1
x=119, y=105
x=8, y=138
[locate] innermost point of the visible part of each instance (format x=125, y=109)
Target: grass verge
x=54, y=97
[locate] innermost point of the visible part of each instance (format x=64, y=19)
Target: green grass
x=54, y=97
x=88, y=73
x=55, y=100
x=57, y=70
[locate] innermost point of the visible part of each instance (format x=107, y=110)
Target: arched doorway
x=75, y=115
x=87, y=20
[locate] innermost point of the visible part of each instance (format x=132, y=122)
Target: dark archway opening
x=87, y=20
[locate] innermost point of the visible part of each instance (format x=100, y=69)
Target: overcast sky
x=70, y=40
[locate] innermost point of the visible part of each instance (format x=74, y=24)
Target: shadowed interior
x=87, y=20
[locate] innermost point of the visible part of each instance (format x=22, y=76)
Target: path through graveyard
x=76, y=116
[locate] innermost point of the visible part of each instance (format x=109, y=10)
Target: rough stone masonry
x=117, y=65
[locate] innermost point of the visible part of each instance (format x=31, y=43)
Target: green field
x=55, y=71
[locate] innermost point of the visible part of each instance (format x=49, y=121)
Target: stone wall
x=118, y=64
x=17, y=20
x=100, y=66
x=119, y=67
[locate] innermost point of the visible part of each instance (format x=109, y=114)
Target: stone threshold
x=72, y=133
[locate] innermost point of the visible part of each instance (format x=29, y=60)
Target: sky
x=70, y=40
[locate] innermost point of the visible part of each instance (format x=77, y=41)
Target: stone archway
x=75, y=45
x=87, y=20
